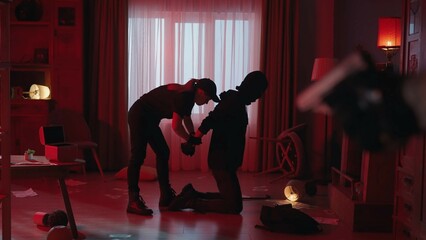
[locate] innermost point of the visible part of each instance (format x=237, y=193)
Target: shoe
x=184, y=200
x=166, y=198
x=188, y=188
x=137, y=206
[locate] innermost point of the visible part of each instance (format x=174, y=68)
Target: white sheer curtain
x=172, y=41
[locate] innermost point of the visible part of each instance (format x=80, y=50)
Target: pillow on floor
x=146, y=174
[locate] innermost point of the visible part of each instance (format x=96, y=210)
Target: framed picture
x=413, y=57
x=414, y=17
x=66, y=16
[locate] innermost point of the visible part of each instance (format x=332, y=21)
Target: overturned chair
x=289, y=152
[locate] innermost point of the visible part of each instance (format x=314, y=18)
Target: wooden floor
x=99, y=209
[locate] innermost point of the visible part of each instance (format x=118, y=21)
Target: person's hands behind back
x=187, y=148
x=194, y=140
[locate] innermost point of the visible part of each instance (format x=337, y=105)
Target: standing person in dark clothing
x=171, y=101
x=229, y=122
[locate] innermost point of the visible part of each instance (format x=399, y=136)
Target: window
x=172, y=41
x=173, y=47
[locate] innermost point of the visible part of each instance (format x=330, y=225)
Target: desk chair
x=77, y=132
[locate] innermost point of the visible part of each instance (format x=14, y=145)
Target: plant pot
x=28, y=156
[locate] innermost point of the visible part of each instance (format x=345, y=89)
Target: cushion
x=146, y=174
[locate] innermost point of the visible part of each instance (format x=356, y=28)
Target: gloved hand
x=187, y=148
x=194, y=140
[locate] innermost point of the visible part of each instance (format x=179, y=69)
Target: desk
x=41, y=167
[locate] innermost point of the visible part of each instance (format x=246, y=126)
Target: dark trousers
x=227, y=200
x=144, y=131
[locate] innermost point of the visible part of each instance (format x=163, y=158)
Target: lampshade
x=39, y=92
x=293, y=191
x=321, y=67
x=389, y=35
x=296, y=190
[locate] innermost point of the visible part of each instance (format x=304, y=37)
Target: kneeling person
x=228, y=121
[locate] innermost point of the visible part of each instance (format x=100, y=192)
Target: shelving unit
x=31, y=48
x=31, y=63
x=46, y=51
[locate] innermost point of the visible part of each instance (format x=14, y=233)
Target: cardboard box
x=55, y=147
x=62, y=152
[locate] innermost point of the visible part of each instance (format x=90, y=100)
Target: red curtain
x=106, y=79
x=279, y=61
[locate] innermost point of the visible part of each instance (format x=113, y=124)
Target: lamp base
x=390, y=52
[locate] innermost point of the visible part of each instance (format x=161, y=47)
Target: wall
x=356, y=22
x=316, y=40
x=333, y=28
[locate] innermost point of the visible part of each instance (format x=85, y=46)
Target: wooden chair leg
x=95, y=156
x=83, y=169
x=83, y=165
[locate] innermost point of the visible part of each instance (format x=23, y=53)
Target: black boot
x=137, y=205
x=167, y=195
x=186, y=199
x=189, y=188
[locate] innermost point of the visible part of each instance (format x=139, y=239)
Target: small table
x=42, y=167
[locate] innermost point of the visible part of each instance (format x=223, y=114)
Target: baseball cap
x=208, y=86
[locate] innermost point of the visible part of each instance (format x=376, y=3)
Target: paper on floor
x=26, y=193
x=72, y=182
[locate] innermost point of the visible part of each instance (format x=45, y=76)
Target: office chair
x=76, y=132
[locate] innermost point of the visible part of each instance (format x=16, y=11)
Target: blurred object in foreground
x=375, y=108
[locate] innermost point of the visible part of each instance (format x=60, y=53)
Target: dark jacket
x=229, y=124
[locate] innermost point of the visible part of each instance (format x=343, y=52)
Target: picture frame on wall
x=414, y=17
x=413, y=59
